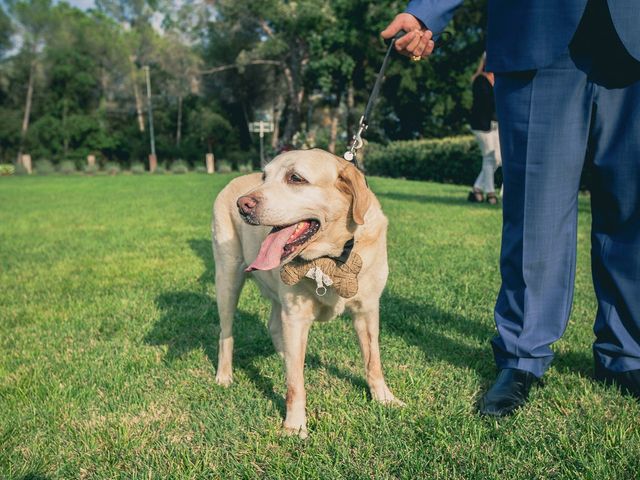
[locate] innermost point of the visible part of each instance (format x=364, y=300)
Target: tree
x=280, y=40
x=6, y=32
x=182, y=65
x=74, y=80
x=74, y=85
x=209, y=126
x=135, y=18
x=34, y=20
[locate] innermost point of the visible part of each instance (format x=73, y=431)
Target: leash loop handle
x=356, y=141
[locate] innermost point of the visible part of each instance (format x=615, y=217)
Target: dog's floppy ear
x=351, y=181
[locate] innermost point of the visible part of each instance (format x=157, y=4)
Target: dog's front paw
x=224, y=380
x=295, y=430
x=392, y=402
x=385, y=397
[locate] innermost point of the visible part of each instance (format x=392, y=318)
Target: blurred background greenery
x=72, y=78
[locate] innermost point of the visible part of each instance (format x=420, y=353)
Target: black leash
x=356, y=141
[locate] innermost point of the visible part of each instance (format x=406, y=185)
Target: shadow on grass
x=420, y=198
x=189, y=321
x=583, y=206
x=574, y=362
x=203, y=248
x=431, y=330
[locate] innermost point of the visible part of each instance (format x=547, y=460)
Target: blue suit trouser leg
x=550, y=121
x=544, y=119
x=615, y=235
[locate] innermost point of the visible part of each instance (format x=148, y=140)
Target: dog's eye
x=295, y=178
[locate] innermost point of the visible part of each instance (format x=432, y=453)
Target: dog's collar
x=346, y=251
x=342, y=258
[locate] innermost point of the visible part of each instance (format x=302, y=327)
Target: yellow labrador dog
x=306, y=204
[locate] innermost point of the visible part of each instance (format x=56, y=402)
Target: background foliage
x=447, y=160
x=72, y=81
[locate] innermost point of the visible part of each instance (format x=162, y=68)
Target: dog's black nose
x=247, y=204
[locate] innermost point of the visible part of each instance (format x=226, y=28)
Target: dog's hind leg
x=367, y=325
x=230, y=276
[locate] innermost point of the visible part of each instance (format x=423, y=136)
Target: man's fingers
x=403, y=42
x=429, y=49
x=413, y=45
x=394, y=27
x=390, y=31
x=403, y=21
x=422, y=46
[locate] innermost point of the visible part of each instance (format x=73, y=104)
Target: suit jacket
x=531, y=34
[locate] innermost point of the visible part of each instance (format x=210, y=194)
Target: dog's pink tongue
x=271, y=250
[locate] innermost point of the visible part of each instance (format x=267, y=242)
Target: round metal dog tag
x=348, y=156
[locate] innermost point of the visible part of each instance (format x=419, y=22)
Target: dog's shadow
x=189, y=321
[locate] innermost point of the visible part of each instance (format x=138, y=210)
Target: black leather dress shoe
x=509, y=392
x=628, y=382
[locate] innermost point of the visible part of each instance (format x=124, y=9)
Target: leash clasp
x=356, y=142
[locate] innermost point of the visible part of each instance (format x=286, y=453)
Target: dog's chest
x=329, y=305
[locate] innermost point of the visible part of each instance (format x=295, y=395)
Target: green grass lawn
x=108, y=346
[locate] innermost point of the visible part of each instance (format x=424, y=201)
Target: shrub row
x=67, y=167
x=7, y=169
x=447, y=160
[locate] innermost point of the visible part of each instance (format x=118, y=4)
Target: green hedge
x=7, y=169
x=447, y=160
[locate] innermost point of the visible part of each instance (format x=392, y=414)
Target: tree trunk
x=350, y=106
x=295, y=94
x=136, y=93
x=179, y=128
x=248, y=137
x=294, y=116
x=65, y=140
x=335, y=120
x=27, y=108
x=277, y=114
x=102, y=105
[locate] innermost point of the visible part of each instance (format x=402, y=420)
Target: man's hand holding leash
x=417, y=43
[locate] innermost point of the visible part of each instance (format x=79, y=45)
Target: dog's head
x=313, y=200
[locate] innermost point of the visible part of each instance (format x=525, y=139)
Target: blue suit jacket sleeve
x=435, y=14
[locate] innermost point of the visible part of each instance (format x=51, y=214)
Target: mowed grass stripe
x=108, y=346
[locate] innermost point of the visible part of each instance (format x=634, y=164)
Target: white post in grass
x=209, y=159
x=26, y=163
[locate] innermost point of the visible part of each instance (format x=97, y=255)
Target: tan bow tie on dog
x=342, y=276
